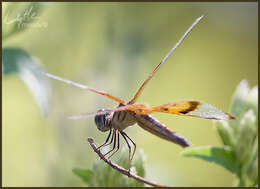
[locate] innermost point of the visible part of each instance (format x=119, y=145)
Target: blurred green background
x=113, y=47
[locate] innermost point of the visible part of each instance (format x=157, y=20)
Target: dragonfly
x=126, y=114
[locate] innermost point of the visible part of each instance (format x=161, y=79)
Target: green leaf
x=245, y=137
x=17, y=61
x=225, y=132
x=250, y=168
x=84, y=174
x=239, y=101
x=223, y=156
x=253, y=99
x=243, y=99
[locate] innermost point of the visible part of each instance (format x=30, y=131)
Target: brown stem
x=121, y=169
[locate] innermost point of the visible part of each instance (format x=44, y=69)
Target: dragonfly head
x=102, y=120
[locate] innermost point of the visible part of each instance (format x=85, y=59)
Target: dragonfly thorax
x=103, y=120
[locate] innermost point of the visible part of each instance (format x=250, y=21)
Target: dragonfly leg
x=129, y=147
x=114, y=144
x=132, y=143
x=118, y=145
x=105, y=143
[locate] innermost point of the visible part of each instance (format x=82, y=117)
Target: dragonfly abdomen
x=152, y=125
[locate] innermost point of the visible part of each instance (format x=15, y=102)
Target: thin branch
x=121, y=169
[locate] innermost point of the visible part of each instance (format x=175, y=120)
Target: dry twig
x=121, y=169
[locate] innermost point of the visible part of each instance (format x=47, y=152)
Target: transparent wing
x=82, y=116
x=103, y=93
x=121, y=108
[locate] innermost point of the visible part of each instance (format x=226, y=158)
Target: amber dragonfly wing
x=73, y=83
x=193, y=108
x=186, y=108
x=163, y=61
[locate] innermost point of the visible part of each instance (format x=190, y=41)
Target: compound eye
x=100, y=121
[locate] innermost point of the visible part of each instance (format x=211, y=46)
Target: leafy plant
x=239, y=153
x=18, y=61
x=102, y=174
